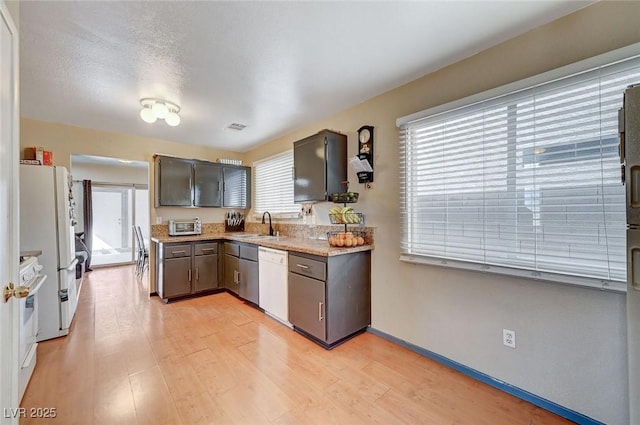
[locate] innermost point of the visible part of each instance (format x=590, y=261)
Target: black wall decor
x=365, y=151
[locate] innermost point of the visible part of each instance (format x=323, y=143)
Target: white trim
x=603, y=285
x=585, y=65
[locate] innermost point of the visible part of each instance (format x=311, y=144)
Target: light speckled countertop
x=287, y=243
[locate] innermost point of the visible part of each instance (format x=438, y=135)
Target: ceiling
x=273, y=66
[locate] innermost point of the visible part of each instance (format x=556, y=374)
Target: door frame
x=9, y=389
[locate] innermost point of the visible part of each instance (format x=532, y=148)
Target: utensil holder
x=234, y=228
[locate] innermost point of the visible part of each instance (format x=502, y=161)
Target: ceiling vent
x=236, y=126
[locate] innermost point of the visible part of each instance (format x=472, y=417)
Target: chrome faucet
x=271, y=233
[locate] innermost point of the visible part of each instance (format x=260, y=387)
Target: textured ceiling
x=274, y=66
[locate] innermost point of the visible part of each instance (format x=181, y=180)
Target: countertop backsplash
x=292, y=230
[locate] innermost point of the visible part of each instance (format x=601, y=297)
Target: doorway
x=116, y=208
x=119, y=201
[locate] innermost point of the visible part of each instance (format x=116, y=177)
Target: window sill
x=585, y=282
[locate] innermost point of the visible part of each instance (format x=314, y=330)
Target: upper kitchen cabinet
x=237, y=186
x=193, y=183
x=319, y=166
x=207, y=177
x=174, y=182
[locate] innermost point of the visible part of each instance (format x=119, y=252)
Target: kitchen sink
x=246, y=235
x=257, y=236
x=270, y=237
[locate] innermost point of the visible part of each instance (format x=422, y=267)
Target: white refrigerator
x=46, y=224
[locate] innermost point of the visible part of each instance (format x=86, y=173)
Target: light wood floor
x=131, y=359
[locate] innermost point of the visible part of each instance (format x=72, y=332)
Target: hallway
x=131, y=359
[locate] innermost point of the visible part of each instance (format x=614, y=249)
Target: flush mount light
x=152, y=109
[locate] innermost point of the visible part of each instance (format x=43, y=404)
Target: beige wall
x=571, y=341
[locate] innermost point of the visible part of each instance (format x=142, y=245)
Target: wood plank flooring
x=131, y=359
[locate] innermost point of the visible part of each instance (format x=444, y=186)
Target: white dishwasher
x=273, y=288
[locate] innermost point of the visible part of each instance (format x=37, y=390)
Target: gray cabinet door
x=177, y=277
x=336, y=162
x=320, y=166
x=309, y=169
x=307, y=305
x=237, y=187
x=173, y=182
x=231, y=272
x=206, y=272
x=249, y=289
x=207, y=184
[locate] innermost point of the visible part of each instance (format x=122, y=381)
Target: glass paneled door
x=113, y=209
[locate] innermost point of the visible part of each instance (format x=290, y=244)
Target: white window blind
x=235, y=183
x=274, y=185
x=526, y=181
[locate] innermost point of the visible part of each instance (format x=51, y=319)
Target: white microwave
x=185, y=227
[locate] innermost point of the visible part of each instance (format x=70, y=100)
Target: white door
x=9, y=204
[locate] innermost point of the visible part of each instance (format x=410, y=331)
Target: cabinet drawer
x=206, y=248
x=308, y=267
x=231, y=249
x=249, y=252
x=175, y=251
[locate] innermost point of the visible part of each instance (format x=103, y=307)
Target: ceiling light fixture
x=152, y=109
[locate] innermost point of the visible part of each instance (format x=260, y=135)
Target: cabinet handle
x=302, y=266
x=178, y=252
x=236, y=274
x=320, y=305
x=197, y=274
x=189, y=275
x=208, y=249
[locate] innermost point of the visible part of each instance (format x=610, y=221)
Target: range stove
x=30, y=277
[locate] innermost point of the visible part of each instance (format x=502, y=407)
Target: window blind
x=235, y=182
x=528, y=181
x=274, y=185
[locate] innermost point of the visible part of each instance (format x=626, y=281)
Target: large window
x=526, y=183
x=274, y=185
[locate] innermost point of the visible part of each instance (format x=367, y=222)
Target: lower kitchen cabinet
x=205, y=265
x=241, y=270
x=307, y=306
x=231, y=267
x=248, y=276
x=330, y=297
x=186, y=268
x=176, y=278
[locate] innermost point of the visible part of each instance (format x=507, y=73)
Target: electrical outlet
x=509, y=338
